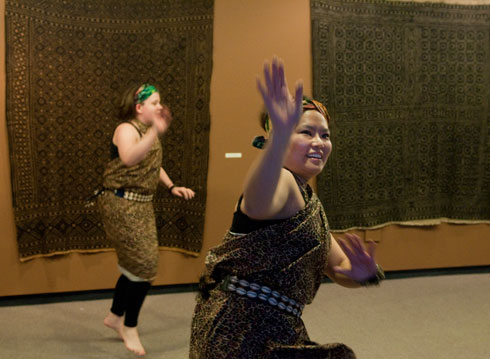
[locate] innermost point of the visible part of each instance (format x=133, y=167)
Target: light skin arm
x=269, y=190
x=183, y=192
x=131, y=147
x=349, y=262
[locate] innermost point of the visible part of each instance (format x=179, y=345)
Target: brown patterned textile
x=289, y=257
x=408, y=88
x=130, y=225
x=68, y=62
x=141, y=178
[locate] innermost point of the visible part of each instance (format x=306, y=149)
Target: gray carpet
x=444, y=316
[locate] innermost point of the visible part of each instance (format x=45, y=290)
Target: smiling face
x=309, y=146
x=150, y=109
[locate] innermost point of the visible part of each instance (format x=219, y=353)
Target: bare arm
x=132, y=149
x=268, y=187
x=183, y=192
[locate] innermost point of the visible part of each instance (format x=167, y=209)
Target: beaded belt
x=263, y=293
x=132, y=196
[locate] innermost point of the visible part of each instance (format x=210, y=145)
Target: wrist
x=170, y=188
x=375, y=279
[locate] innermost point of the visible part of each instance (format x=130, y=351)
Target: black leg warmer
x=136, y=295
x=120, y=300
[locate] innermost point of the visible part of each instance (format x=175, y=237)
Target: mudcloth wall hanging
x=408, y=88
x=67, y=63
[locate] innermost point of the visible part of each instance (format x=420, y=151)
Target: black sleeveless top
x=243, y=224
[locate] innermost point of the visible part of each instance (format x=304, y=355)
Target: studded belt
x=263, y=293
x=132, y=196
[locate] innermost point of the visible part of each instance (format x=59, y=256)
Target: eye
x=306, y=132
x=326, y=135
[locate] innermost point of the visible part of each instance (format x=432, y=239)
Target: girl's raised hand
x=162, y=122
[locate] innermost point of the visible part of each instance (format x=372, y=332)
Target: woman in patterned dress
x=274, y=257
x=130, y=181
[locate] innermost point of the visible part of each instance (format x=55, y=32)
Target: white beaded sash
x=265, y=294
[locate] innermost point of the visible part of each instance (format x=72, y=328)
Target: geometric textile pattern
x=408, y=89
x=68, y=62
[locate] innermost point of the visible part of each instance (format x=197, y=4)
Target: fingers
x=355, y=242
x=268, y=80
x=184, y=192
x=354, y=249
x=278, y=77
x=166, y=114
x=274, y=79
x=189, y=194
x=264, y=94
x=298, y=94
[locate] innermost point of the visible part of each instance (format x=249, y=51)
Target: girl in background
x=130, y=182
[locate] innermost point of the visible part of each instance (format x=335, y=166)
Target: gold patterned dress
x=255, y=286
x=130, y=225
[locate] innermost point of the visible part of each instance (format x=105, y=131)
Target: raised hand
x=284, y=110
x=162, y=122
x=363, y=265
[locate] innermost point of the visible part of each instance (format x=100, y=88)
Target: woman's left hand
x=183, y=192
x=363, y=264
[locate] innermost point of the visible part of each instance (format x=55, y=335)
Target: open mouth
x=314, y=155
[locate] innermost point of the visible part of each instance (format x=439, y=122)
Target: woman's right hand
x=271, y=192
x=284, y=110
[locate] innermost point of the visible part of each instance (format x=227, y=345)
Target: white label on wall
x=233, y=155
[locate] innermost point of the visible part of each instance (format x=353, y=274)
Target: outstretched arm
x=267, y=186
x=349, y=263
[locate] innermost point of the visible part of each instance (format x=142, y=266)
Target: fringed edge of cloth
x=417, y=223
x=93, y=251
x=58, y=253
x=180, y=250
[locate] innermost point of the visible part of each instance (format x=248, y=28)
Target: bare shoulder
x=294, y=200
x=125, y=132
x=285, y=201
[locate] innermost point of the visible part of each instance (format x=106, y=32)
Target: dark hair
x=263, y=118
x=126, y=106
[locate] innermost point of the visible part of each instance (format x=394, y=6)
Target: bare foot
x=132, y=340
x=114, y=322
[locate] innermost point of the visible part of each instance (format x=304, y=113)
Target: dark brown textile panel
x=67, y=64
x=408, y=88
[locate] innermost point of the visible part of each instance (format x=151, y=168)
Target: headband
x=308, y=104
x=146, y=91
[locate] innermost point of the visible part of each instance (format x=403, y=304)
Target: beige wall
x=245, y=33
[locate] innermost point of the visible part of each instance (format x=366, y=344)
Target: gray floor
x=445, y=316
